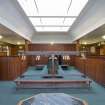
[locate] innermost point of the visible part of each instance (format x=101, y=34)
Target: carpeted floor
x=10, y=96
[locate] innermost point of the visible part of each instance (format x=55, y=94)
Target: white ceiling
x=94, y=36
x=52, y=15
x=92, y=17
x=10, y=36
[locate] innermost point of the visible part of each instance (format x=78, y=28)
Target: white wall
x=51, y=38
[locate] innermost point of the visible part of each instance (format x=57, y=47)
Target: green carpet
x=10, y=96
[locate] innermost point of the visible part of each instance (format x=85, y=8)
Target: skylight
x=52, y=15
x=52, y=29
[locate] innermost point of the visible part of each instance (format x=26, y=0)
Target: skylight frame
x=53, y=20
x=69, y=8
x=53, y=29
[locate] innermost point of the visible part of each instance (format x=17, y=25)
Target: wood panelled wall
x=11, y=67
x=48, y=47
x=94, y=67
x=55, y=47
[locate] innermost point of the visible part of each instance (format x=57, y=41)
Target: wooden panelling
x=14, y=49
x=11, y=67
x=70, y=62
x=80, y=64
x=93, y=67
x=55, y=47
x=48, y=47
x=32, y=60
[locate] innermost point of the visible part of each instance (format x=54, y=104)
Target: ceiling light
x=1, y=36
x=20, y=47
x=103, y=36
x=52, y=43
x=18, y=43
x=85, y=43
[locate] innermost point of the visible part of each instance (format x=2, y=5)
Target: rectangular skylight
x=52, y=21
x=52, y=29
x=55, y=13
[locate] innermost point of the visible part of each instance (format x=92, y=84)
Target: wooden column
x=77, y=46
x=26, y=45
